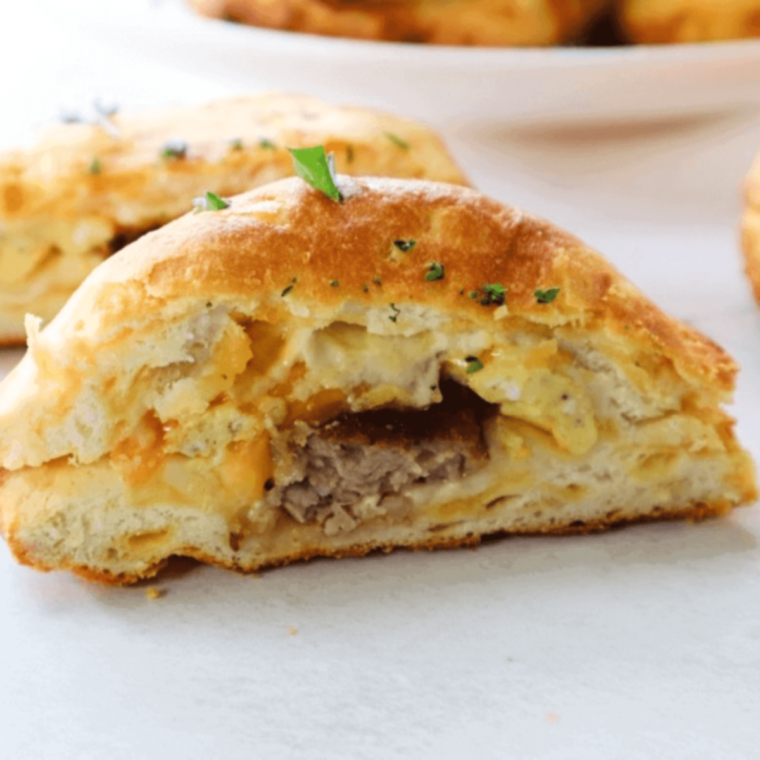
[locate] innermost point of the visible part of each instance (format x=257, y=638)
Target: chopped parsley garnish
x=546, y=296
x=289, y=288
x=396, y=140
x=494, y=294
x=350, y=154
x=365, y=288
x=210, y=202
x=435, y=271
x=95, y=166
x=473, y=294
x=236, y=144
x=405, y=245
x=394, y=317
x=174, y=150
x=312, y=166
x=267, y=144
x=335, y=284
x=473, y=364
x=377, y=280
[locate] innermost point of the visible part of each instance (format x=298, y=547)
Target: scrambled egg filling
x=257, y=386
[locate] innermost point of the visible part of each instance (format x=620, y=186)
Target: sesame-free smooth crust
x=170, y=407
x=318, y=241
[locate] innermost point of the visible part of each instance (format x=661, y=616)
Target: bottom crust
x=611, y=521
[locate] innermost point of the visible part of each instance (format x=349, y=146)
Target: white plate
x=439, y=84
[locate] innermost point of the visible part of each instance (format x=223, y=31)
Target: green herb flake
x=394, y=317
x=350, y=154
x=365, y=287
x=267, y=144
x=405, y=245
x=546, y=296
x=174, y=150
x=289, y=288
x=435, y=271
x=236, y=144
x=473, y=294
x=433, y=387
x=473, y=364
x=95, y=167
x=397, y=141
x=494, y=294
x=377, y=280
x=312, y=166
x=335, y=284
x=210, y=202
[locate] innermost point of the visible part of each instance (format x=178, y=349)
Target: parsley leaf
x=174, y=150
x=267, y=144
x=394, y=317
x=494, y=294
x=435, y=271
x=95, y=167
x=289, y=287
x=236, y=144
x=405, y=245
x=335, y=284
x=210, y=202
x=473, y=364
x=312, y=166
x=397, y=141
x=546, y=296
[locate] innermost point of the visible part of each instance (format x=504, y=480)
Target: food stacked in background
x=500, y=22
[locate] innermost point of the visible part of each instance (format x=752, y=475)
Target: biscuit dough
x=284, y=379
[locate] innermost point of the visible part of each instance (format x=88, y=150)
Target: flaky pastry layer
x=283, y=379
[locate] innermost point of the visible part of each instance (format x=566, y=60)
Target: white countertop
x=640, y=643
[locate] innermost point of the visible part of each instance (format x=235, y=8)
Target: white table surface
x=641, y=643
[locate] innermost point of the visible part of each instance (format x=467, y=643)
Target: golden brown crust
x=751, y=228
x=318, y=241
x=443, y=22
x=286, y=254
x=665, y=21
x=694, y=513
x=84, y=183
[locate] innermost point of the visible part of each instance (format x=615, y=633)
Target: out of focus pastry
x=751, y=228
x=286, y=376
x=86, y=190
x=662, y=21
x=442, y=22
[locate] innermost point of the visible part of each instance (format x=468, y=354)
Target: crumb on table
x=153, y=593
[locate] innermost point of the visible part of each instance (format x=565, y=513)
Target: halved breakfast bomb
x=88, y=189
x=442, y=22
x=410, y=365
x=663, y=21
